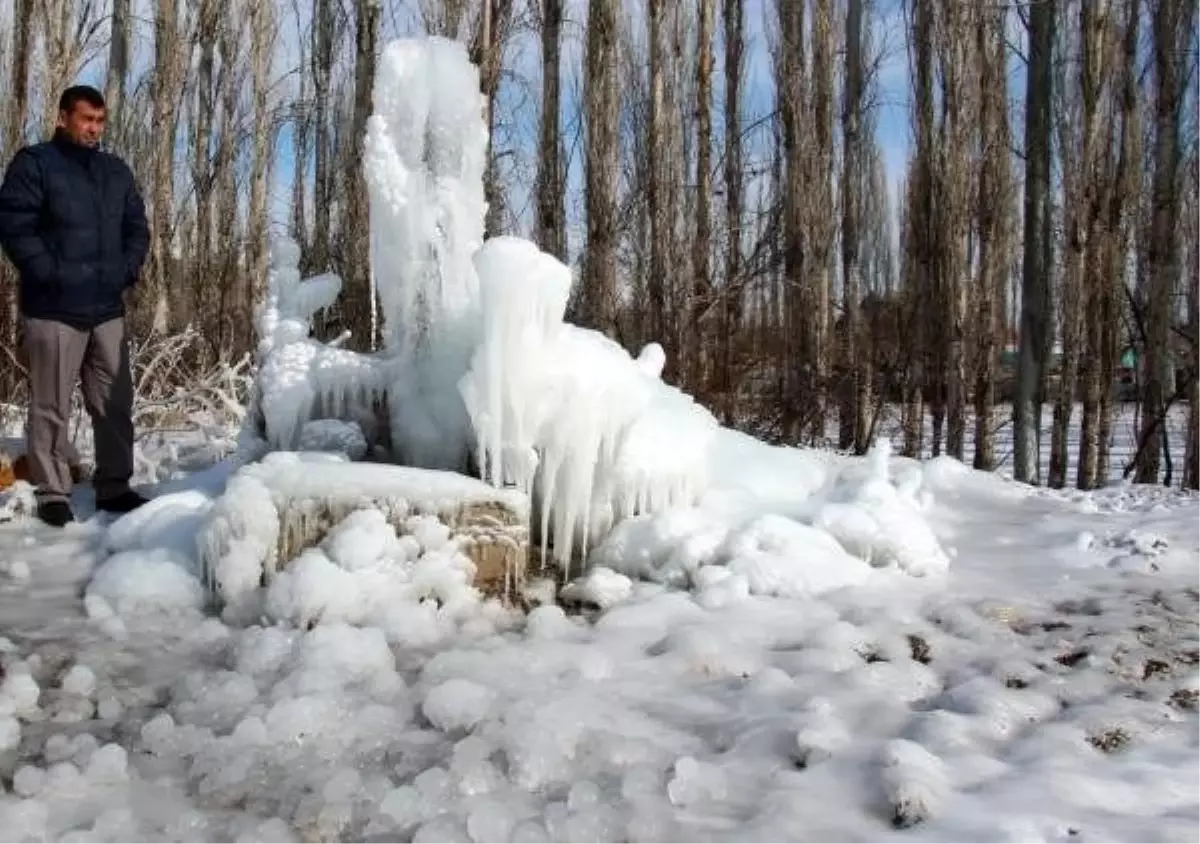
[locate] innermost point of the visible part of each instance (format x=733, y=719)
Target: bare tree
x=322, y=73
x=994, y=216
x=169, y=63
x=660, y=187
x=68, y=29
x=602, y=165
x=1098, y=73
x=852, y=415
x=797, y=347
x=16, y=117
x=261, y=46
x=920, y=226
x=118, y=67
x=1035, y=268
x=1172, y=27
x=732, y=293
x=551, y=199
x=357, y=257
x=1120, y=220
x=702, y=247
x=821, y=217
x=1191, y=459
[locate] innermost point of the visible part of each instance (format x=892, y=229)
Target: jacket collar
x=68, y=146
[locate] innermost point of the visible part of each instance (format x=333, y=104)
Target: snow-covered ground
x=766, y=644
x=1043, y=688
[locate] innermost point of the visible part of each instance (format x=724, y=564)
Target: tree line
x=719, y=184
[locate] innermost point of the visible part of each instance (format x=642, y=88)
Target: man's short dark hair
x=80, y=93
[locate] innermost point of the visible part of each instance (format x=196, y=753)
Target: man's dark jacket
x=73, y=224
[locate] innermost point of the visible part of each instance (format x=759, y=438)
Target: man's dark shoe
x=55, y=513
x=126, y=502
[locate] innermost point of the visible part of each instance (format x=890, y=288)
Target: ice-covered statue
x=478, y=370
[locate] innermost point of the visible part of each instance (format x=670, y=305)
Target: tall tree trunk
x=16, y=116
x=1172, y=27
x=852, y=415
x=261, y=45
x=921, y=235
x=488, y=56
x=1033, y=336
x=357, y=262
x=702, y=251
x=821, y=217
x=1096, y=178
x=602, y=166
x=732, y=311
x=322, y=72
x=994, y=215
x=659, y=195
x=225, y=272
x=169, y=60
x=552, y=226
x=118, y=69
x=211, y=18
x=953, y=213
x=1122, y=216
x=790, y=91
x=1191, y=457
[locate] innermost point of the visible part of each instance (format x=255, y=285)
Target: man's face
x=83, y=124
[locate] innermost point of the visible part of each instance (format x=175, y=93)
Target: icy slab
x=272, y=511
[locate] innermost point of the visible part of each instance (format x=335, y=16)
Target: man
x=73, y=224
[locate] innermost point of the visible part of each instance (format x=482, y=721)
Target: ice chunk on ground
x=80, y=680
x=601, y=587
x=19, y=692
x=457, y=704
x=147, y=582
x=915, y=782
x=10, y=732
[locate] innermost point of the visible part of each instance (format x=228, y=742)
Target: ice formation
x=478, y=362
x=480, y=373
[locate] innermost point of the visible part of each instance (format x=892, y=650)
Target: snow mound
x=147, y=583
x=850, y=516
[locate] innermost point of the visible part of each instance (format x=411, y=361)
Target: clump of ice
x=457, y=704
x=600, y=587
x=147, y=582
